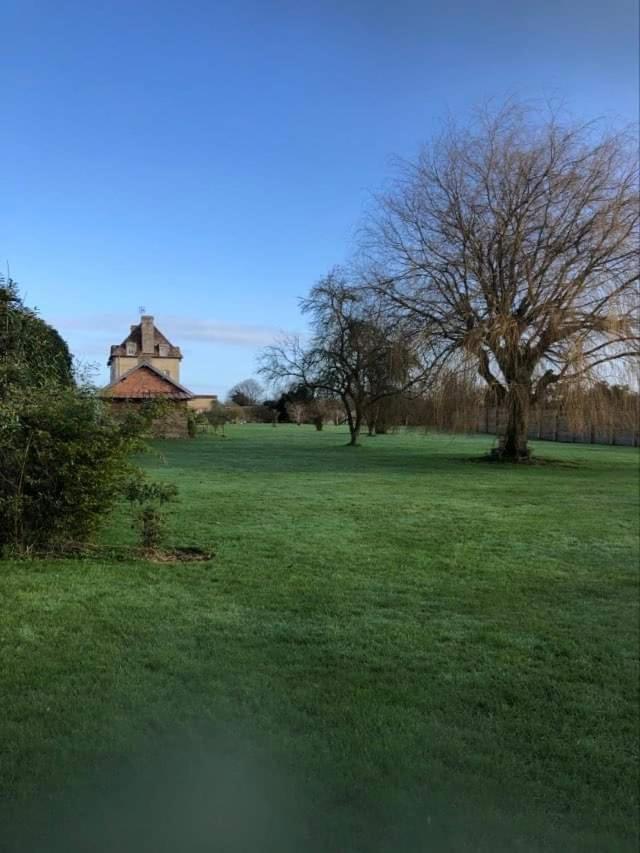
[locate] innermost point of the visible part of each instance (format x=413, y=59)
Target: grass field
x=394, y=648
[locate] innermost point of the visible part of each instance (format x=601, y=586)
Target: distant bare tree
x=354, y=354
x=296, y=410
x=513, y=245
x=333, y=410
x=320, y=410
x=249, y=392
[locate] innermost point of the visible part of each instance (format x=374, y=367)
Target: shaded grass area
x=392, y=649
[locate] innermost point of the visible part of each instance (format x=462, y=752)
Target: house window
x=164, y=350
x=131, y=348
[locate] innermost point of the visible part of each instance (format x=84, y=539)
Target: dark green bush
x=217, y=416
x=192, y=424
x=64, y=460
x=32, y=353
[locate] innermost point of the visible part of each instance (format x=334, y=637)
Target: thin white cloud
x=178, y=329
x=221, y=333
x=95, y=323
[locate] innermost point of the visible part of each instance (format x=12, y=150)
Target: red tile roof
x=144, y=382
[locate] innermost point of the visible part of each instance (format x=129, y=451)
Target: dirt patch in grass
x=176, y=555
x=188, y=554
x=529, y=462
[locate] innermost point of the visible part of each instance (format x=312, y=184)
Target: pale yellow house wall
x=122, y=363
x=169, y=365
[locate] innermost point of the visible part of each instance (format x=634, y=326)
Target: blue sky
x=210, y=160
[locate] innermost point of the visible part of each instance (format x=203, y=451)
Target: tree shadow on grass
x=323, y=460
x=532, y=461
x=379, y=455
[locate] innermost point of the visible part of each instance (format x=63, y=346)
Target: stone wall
x=201, y=402
x=172, y=424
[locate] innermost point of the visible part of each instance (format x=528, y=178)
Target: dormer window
x=131, y=348
x=164, y=350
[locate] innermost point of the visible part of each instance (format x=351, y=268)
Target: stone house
x=145, y=344
x=146, y=365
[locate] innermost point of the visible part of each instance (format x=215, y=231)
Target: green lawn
x=394, y=648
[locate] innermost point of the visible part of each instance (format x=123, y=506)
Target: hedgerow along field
x=395, y=647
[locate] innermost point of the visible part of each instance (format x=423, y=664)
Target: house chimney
x=146, y=326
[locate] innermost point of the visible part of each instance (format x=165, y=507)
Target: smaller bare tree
x=296, y=410
x=249, y=392
x=355, y=353
x=333, y=410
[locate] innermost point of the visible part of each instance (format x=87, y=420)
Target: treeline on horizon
x=454, y=406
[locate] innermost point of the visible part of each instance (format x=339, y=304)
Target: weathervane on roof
x=141, y=310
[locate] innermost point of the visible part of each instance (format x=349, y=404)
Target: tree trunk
x=355, y=423
x=372, y=419
x=513, y=443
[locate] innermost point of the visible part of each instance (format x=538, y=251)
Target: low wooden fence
x=552, y=425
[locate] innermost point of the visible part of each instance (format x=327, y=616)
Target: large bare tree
x=513, y=243
x=355, y=353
